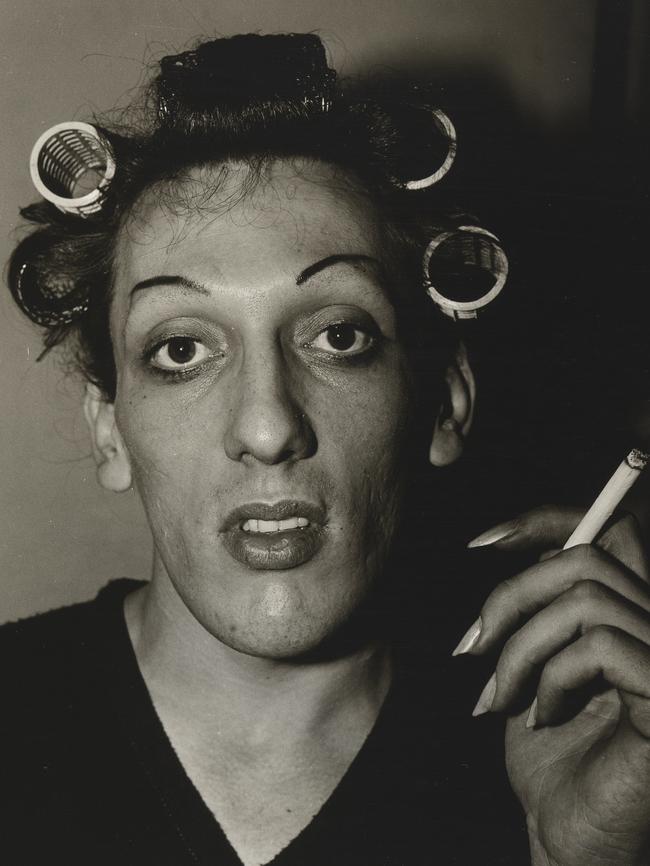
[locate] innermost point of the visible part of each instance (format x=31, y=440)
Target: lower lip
x=274, y=551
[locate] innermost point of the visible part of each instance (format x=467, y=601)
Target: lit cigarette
x=609, y=497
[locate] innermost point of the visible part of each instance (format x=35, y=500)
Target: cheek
x=364, y=438
x=368, y=424
x=162, y=438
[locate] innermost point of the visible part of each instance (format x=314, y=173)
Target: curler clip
x=445, y=126
x=71, y=166
x=464, y=270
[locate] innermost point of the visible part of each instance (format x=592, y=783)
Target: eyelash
x=185, y=373
x=344, y=356
x=171, y=373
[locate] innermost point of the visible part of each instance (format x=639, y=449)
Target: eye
x=343, y=338
x=179, y=353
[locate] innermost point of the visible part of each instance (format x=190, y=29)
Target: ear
x=455, y=416
x=109, y=451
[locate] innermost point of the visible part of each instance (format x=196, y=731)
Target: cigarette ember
x=637, y=459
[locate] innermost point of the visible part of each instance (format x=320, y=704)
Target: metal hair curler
x=445, y=126
x=71, y=166
x=464, y=270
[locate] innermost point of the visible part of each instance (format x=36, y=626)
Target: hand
x=574, y=629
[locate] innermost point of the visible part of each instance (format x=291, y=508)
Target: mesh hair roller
x=48, y=293
x=464, y=270
x=47, y=306
x=71, y=166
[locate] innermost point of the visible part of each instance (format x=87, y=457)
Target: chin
x=282, y=621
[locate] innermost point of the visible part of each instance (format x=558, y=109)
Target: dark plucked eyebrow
x=165, y=280
x=303, y=276
x=328, y=261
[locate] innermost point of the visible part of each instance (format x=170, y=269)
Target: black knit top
x=88, y=776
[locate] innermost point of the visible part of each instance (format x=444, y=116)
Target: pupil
x=341, y=336
x=181, y=350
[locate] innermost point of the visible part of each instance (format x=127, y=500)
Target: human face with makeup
x=264, y=403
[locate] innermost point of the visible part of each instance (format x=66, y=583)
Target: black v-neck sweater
x=88, y=775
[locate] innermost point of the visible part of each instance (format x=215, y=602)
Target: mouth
x=276, y=536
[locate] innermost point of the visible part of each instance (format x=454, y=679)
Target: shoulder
x=48, y=661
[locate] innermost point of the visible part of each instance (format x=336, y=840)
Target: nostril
x=267, y=426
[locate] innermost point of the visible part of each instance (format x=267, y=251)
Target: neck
x=222, y=693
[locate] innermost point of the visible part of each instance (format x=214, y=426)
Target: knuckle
x=601, y=638
x=533, y=521
x=587, y=592
x=630, y=524
x=625, y=531
x=550, y=675
x=585, y=556
x=501, y=596
x=543, y=518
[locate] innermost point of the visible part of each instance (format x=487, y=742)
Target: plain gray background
x=61, y=536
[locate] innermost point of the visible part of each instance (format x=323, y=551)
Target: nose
x=267, y=422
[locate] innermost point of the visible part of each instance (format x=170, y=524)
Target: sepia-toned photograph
x=325, y=516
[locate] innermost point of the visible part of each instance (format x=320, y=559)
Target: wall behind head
x=61, y=537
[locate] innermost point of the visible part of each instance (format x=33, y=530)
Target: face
x=263, y=400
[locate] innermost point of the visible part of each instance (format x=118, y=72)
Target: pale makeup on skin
x=263, y=410
x=258, y=367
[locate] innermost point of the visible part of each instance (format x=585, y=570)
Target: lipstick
x=274, y=536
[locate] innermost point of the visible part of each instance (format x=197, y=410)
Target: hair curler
x=71, y=166
x=464, y=270
x=445, y=126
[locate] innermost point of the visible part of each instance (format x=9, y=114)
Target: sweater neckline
x=194, y=823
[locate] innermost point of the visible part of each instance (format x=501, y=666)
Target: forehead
x=246, y=226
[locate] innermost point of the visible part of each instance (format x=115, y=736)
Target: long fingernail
x=531, y=721
x=491, y=536
x=470, y=637
x=487, y=696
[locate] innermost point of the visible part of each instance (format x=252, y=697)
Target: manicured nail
x=491, y=536
x=470, y=637
x=487, y=696
x=531, y=721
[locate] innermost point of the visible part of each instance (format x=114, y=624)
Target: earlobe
x=109, y=451
x=454, y=419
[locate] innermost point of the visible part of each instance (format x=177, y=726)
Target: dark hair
x=247, y=98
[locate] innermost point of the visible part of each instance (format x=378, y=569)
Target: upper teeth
x=253, y=525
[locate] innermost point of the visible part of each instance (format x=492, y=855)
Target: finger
x=604, y=652
x=549, y=554
x=614, y=771
x=518, y=598
x=546, y=526
x=583, y=607
x=550, y=527
x=624, y=541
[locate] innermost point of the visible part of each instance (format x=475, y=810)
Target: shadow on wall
x=562, y=355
